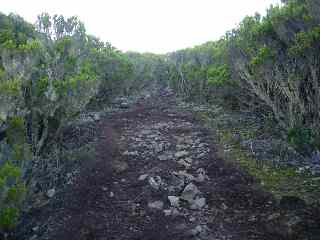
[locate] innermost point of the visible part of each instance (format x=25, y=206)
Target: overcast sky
x=157, y=26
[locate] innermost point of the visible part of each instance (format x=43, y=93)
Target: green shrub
x=302, y=139
x=218, y=75
x=8, y=218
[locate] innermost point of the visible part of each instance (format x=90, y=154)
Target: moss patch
x=281, y=181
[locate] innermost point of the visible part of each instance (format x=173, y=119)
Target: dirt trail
x=157, y=177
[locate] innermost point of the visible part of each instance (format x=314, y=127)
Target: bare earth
x=145, y=155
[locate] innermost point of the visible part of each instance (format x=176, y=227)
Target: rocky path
x=156, y=176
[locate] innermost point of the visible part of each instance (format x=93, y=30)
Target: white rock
x=143, y=177
x=155, y=182
x=174, y=201
x=156, y=205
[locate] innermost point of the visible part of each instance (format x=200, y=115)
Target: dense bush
x=268, y=64
x=49, y=74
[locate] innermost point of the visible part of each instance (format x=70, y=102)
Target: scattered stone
x=190, y=192
x=155, y=182
x=124, y=105
x=35, y=229
x=111, y=194
x=159, y=147
x=51, y=193
x=185, y=175
x=96, y=117
x=198, y=204
x=202, y=176
x=195, y=231
x=127, y=153
x=156, y=205
x=224, y=206
x=174, y=201
x=181, y=154
x=120, y=166
x=171, y=212
x=146, y=132
x=143, y=177
x=176, y=183
x=181, y=147
x=164, y=157
x=184, y=163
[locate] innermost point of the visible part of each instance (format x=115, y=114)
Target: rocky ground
x=156, y=176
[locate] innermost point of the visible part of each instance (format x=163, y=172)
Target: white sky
x=157, y=26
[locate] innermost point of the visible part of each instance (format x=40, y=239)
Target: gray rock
x=159, y=147
x=134, y=153
x=176, y=183
x=198, y=204
x=51, y=193
x=184, y=163
x=202, y=176
x=146, y=132
x=181, y=154
x=171, y=212
x=164, y=157
x=184, y=174
x=181, y=147
x=156, y=205
x=190, y=192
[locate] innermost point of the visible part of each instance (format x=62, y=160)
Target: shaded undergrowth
x=276, y=177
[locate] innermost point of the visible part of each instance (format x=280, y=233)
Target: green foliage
x=305, y=41
x=12, y=192
x=9, y=217
x=302, y=139
x=16, y=131
x=218, y=75
x=262, y=56
x=11, y=87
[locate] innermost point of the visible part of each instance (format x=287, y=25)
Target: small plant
x=302, y=139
